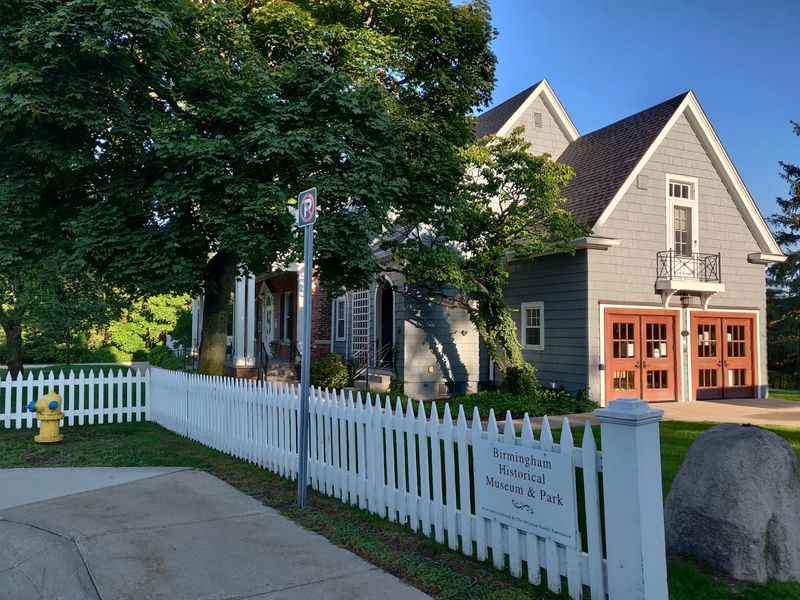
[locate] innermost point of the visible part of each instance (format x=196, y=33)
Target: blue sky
x=609, y=59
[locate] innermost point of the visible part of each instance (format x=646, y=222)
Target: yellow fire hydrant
x=49, y=414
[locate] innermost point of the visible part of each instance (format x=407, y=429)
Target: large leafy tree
x=160, y=141
x=783, y=305
x=368, y=101
x=509, y=206
x=76, y=84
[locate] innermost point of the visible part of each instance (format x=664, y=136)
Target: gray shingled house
x=665, y=300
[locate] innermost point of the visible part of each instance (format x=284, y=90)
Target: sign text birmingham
x=518, y=471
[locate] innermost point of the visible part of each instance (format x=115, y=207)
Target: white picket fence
x=406, y=464
x=115, y=396
x=415, y=469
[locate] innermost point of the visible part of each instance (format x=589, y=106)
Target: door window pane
x=623, y=341
x=656, y=340
x=624, y=380
x=706, y=340
x=736, y=345
x=737, y=377
x=657, y=380
x=707, y=378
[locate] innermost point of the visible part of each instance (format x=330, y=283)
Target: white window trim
x=288, y=297
x=691, y=203
x=523, y=319
x=340, y=303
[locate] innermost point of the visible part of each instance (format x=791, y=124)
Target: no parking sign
x=307, y=207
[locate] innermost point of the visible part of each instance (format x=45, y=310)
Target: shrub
x=161, y=356
x=520, y=380
x=330, y=371
x=537, y=404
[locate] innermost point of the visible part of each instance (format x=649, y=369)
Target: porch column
x=249, y=346
x=197, y=324
x=239, y=321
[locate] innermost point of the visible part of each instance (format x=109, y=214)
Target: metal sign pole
x=306, y=216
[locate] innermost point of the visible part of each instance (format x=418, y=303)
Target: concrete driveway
x=147, y=534
x=783, y=413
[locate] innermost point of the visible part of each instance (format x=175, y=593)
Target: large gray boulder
x=735, y=504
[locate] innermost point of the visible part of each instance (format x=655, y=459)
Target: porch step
x=378, y=382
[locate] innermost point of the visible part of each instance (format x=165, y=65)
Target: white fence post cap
x=628, y=411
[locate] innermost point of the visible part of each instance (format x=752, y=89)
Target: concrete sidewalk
x=783, y=413
x=165, y=534
x=771, y=412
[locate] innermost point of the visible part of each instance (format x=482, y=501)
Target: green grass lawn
x=793, y=395
x=427, y=565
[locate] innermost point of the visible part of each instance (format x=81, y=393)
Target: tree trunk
x=219, y=282
x=498, y=330
x=13, y=331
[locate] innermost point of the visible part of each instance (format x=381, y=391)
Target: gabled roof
x=490, y=122
x=604, y=159
x=607, y=161
x=501, y=119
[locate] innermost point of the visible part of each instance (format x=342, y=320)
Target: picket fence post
x=634, y=513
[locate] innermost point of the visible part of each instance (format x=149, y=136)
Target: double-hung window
x=532, y=325
x=339, y=322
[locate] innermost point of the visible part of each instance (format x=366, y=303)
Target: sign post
x=306, y=217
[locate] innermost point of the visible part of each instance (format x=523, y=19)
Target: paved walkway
x=783, y=413
x=757, y=412
x=172, y=534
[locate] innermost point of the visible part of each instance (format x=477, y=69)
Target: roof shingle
x=490, y=122
x=604, y=159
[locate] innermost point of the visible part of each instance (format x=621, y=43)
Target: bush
x=537, y=404
x=330, y=371
x=161, y=356
x=520, y=380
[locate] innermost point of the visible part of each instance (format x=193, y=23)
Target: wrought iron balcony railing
x=693, y=267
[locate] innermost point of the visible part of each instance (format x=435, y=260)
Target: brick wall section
x=320, y=318
x=627, y=273
x=320, y=321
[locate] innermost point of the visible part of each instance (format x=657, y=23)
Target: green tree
x=368, y=101
x=66, y=307
x=79, y=83
x=147, y=322
x=149, y=136
x=509, y=206
x=786, y=275
x=783, y=305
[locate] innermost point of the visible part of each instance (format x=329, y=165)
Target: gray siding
x=627, y=274
x=549, y=138
x=439, y=346
x=559, y=281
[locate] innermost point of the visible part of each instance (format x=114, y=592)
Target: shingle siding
x=547, y=139
x=559, y=281
x=439, y=345
x=627, y=274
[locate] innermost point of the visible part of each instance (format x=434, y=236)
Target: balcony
x=693, y=274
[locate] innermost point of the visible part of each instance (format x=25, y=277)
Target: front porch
x=267, y=326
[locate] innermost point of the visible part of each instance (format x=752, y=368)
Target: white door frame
x=602, y=322
x=267, y=309
x=758, y=370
